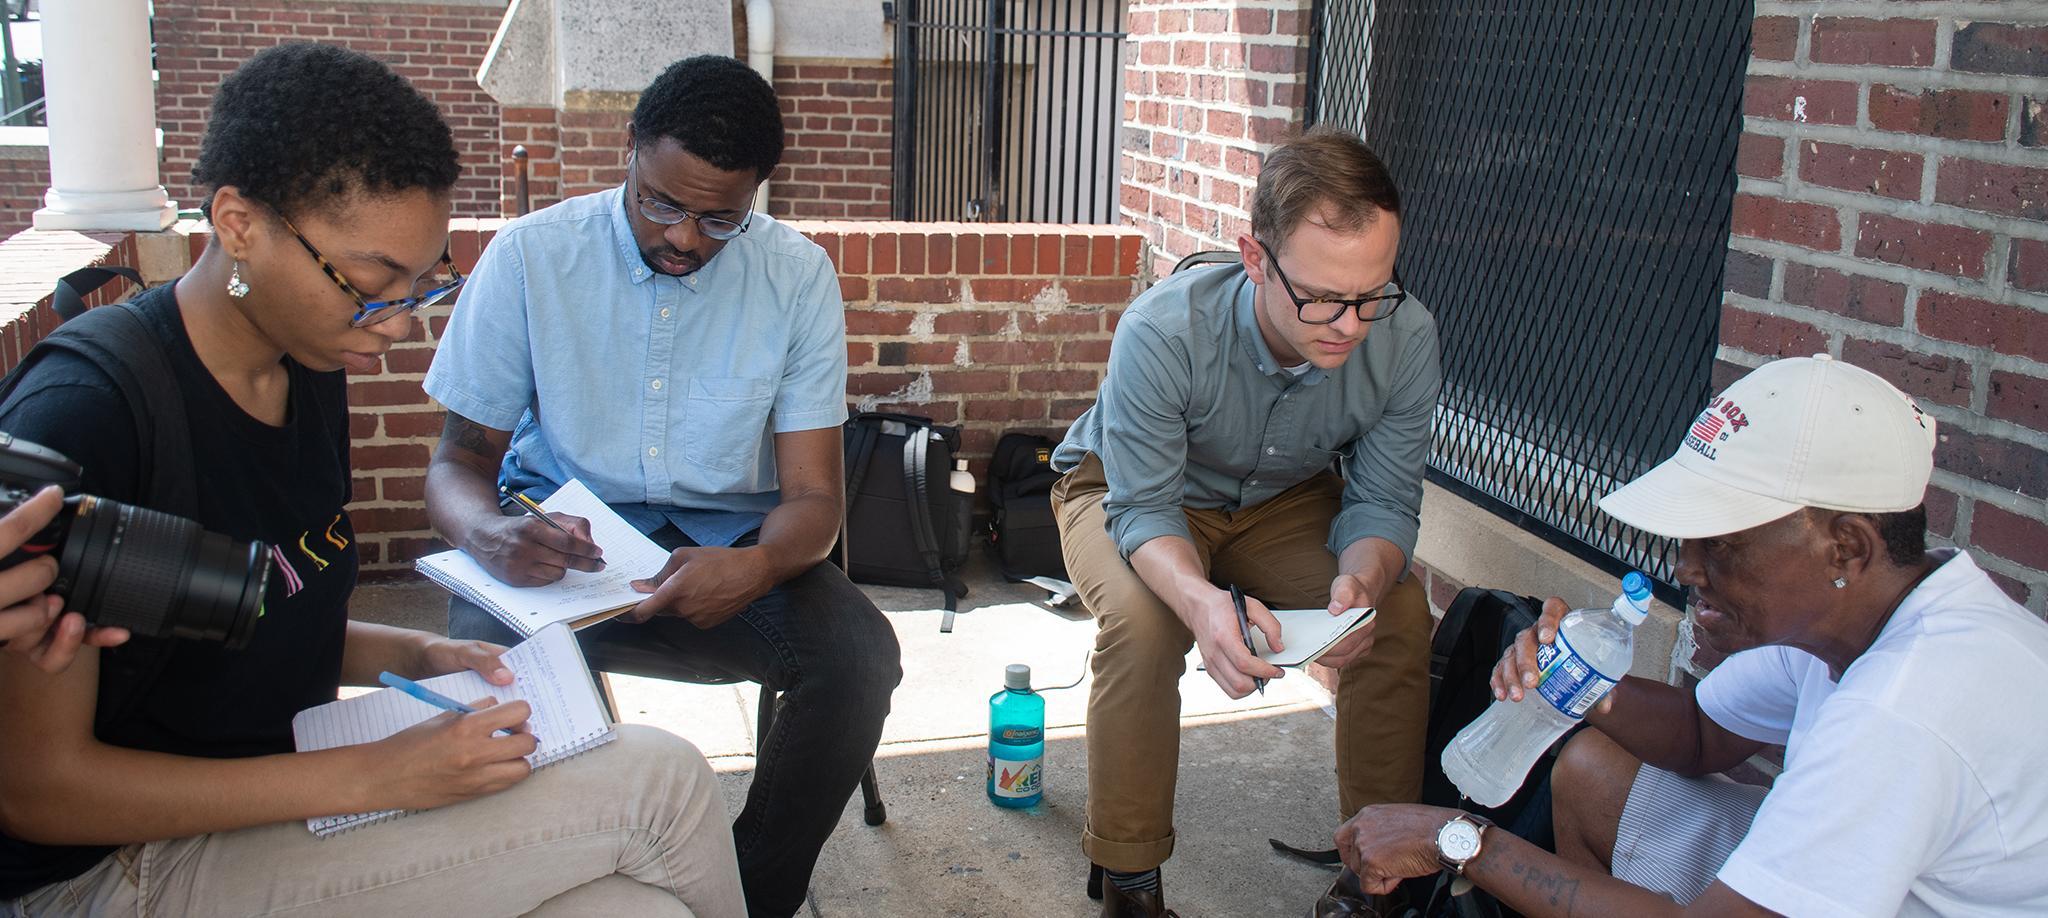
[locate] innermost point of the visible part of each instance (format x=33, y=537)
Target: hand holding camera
x=32, y=622
x=125, y=570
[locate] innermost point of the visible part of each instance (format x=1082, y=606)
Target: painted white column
x=102, y=114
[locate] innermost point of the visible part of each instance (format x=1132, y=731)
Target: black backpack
x=910, y=526
x=1021, y=530
x=118, y=339
x=1477, y=629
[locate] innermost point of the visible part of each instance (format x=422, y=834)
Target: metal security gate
x=1007, y=110
x=1566, y=169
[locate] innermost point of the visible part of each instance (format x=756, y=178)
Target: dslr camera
x=124, y=566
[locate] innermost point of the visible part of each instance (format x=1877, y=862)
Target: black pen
x=1244, y=627
x=532, y=509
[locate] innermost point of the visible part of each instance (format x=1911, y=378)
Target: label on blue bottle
x=1570, y=684
x=1015, y=778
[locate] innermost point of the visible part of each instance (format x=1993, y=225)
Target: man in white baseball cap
x=1905, y=686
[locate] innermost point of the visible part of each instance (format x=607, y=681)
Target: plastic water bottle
x=1491, y=757
x=1016, y=741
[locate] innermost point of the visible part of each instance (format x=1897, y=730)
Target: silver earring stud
x=237, y=287
x=1841, y=583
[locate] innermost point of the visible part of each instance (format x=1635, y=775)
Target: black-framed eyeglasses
x=372, y=312
x=667, y=214
x=1323, y=310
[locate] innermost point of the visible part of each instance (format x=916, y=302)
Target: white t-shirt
x=1918, y=785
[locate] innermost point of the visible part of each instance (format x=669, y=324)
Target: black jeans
x=818, y=641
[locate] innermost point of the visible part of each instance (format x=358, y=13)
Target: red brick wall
x=990, y=326
x=1893, y=211
x=1209, y=88
x=437, y=47
x=22, y=184
x=31, y=262
x=839, y=115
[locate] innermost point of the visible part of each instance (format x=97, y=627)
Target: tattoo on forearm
x=464, y=434
x=1562, y=892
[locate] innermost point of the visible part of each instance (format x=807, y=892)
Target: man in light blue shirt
x=685, y=358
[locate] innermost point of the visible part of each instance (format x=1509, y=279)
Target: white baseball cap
x=1800, y=432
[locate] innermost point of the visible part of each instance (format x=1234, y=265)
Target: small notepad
x=1309, y=633
x=581, y=598
x=548, y=673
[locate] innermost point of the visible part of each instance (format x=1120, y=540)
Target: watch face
x=1458, y=840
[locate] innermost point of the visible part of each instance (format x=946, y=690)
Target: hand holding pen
x=522, y=553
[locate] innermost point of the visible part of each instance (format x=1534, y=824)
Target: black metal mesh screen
x=1566, y=171
x=1007, y=110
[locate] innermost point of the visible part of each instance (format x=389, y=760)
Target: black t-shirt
x=286, y=486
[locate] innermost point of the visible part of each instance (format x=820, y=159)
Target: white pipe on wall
x=761, y=57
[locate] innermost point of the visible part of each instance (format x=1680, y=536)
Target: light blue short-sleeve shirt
x=662, y=394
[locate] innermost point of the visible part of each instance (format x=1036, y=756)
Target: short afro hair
x=300, y=125
x=718, y=110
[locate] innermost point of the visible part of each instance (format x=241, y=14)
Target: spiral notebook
x=548, y=673
x=581, y=598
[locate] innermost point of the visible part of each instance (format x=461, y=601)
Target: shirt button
x=664, y=312
x=653, y=451
x=1252, y=483
x=1271, y=450
x=655, y=385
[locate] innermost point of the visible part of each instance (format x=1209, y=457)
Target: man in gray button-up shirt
x=1262, y=426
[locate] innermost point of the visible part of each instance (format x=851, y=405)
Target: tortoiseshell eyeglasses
x=371, y=312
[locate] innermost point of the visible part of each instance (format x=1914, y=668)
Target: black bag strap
x=117, y=339
x=917, y=492
x=69, y=298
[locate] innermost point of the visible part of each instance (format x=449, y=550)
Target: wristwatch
x=1458, y=842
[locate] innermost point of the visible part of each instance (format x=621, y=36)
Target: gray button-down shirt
x=1196, y=412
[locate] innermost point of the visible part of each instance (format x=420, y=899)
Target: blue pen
x=427, y=695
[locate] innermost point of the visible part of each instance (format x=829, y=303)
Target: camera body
x=124, y=566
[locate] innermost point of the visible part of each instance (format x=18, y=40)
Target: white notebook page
x=548, y=674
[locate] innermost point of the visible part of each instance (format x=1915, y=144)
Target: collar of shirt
x=629, y=246
x=1254, y=339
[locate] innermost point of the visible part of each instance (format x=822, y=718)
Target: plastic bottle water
x=1016, y=741
x=1491, y=757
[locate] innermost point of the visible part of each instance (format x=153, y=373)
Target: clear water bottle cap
x=1017, y=676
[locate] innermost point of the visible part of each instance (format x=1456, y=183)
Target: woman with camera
x=159, y=777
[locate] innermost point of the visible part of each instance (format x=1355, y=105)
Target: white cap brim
x=1676, y=502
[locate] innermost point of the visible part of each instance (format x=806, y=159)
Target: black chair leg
x=1095, y=882
x=873, y=811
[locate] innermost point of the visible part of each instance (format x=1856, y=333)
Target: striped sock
x=1142, y=881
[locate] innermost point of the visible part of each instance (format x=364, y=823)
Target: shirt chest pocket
x=725, y=420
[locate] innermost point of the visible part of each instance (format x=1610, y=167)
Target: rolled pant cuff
x=1126, y=857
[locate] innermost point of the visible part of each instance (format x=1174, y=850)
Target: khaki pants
x=635, y=827
x=1274, y=551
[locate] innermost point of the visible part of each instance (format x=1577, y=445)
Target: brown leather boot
x=1345, y=899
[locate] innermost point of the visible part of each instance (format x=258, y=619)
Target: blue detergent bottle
x=1016, y=741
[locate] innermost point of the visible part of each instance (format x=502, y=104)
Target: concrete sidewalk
x=1250, y=769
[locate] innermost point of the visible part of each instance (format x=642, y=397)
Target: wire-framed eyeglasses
x=666, y=214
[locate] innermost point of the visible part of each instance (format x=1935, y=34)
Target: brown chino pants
x=1275, y=552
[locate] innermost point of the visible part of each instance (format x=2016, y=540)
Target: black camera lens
x=160, y=575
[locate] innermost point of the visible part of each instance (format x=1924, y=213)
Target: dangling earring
x=237, y=287
x=1841, y=583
